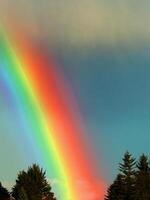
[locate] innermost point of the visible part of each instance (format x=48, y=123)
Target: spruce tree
x=127, y=169
x=116, y=190
x=34, y=184
x=142, y=185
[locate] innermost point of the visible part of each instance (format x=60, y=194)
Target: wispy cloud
x=8, y=184
x=85, y=190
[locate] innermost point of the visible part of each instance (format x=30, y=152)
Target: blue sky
x=112, y=87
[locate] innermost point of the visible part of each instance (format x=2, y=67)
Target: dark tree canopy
x=22, y=195
x=116, y=190
x=127, y=169
x=142, y=185
x=4, y=194
x=133, y=180
x=32, y=185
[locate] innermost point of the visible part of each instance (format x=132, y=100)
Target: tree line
x=131, y=183
x=133, y=180
x=30, y=185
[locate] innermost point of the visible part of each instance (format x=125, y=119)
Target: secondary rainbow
x=45, y=104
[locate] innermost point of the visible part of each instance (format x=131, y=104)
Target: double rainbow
x=45, y=104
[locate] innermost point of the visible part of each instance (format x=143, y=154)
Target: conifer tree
x=22, y=195
x=123, y=188
x=127, y=169
x=116, y=190
x=142, y=179
x=34, y=185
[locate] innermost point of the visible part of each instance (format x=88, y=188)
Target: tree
x=127, y=169
x=22, y=195
x=142, y=185
x=32, y=185
x=116, y=190
x=4, y=194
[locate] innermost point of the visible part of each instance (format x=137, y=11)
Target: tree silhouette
x=133, y=181
x=22, y=195
x=116, y=190
x=4, y=194
x=127, y=169
x=142, y=179
x=123, y=188
x=32, y=185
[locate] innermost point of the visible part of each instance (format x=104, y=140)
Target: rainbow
x=48, y=109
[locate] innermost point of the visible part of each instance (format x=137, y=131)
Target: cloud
x=80, y=23
x=86, y=190
x=54, y=182
x=8, y=184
